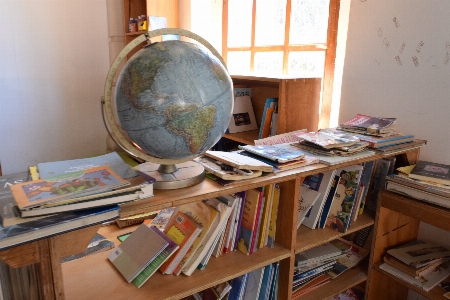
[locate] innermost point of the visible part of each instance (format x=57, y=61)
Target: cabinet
x=93, y=276
x=397, y=222
x=298, y=103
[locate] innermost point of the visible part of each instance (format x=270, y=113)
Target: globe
x=173, y=100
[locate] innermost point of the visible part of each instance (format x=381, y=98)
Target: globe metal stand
x=169, y=173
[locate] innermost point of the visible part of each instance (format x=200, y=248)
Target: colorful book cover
x=353, y=255
x=205, y=216
x=112, y=159
x=328, y=202
x=7, y=202
x=275, y=153
x=68, y=186
x=269, y=107
x=158, y=261
x=369, y=123
x=265, y=284
x=265, y=217
x=183, y=231
x=431, y=171
x=339, y=216
x=55, y=224
x=248, y=223
x=273, y=217
x=237, y=287
x=328, y=139
x=135, y=253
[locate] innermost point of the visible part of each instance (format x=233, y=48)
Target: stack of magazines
x=330, y=143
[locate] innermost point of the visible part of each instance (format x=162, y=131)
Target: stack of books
x=419, y=263
x=319, y=265
x=381, y=134
x=331, y=143
x=280, y=156
x=425, y=181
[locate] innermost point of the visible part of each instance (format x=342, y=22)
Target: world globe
x=173, y=101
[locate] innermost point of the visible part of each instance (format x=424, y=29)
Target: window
x=273, y=38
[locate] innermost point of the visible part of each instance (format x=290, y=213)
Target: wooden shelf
x=435, y=293
x=310, y=238
x=246, y=137
x=345, y=281
x=82, y=275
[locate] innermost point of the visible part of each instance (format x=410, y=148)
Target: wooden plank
x=386, y=288
x=22, y=255
x=100, y=280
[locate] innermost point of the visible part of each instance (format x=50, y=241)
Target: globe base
x=177, y=176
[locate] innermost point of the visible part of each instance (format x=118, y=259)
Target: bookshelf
x=298, y=103
x=397, y=222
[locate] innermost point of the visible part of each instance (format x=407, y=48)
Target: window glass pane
x=309, y=21
x=239, y=23
x=238, y=62
x=270, y=22
x=269, y=63
x=306, y=64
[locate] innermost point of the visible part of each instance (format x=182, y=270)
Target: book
x=242, y=91
x=105, y=198
x=311, y=285
x=242, y=196
x=224, y=211
x=136, y=252
x=274, y=123
x=380, y=172
x=417, y=193
x=275, y=153
x=249, y=221
x=183, y=231
x=112, y=159
x=426, y=282
x=431, y=171
x=162, y=218
x=156, y=263
x=136, y=219
x=307, y=199
x=337, y=159
x=221, y=290
x=394, y=149
x=328, y=202
x=369, y=123
x=339, y=215
x=412, y=269
x=273, y=216
x=68, y=186
x=237, y=287
x=55, y=224
x=266, y=120
x=225, y=171
x=318, y=254
x=328, y=139
x=268, y=198
x=278, y=139
x=277, y=167
x=243, y=116
x=420, y=252
x=364, y=183
x=238, y=161
x=99, y=243
x=425, y=186
x=323, y=188
x=274, y=285
x=205, y=216
x=254, y=282
x=353, y=255
x=265, y=283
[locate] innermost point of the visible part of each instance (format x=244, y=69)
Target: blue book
x=237, y=287
x=265, y=284
x=274, y=285
x=268, y=104
x=55, y=224
x=113, y=160
x=328, y=202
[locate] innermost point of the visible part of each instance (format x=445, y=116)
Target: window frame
x=329, y=47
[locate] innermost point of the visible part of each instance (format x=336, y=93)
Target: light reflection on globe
x=174, y=99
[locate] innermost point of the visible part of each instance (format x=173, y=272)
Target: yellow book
x=268, y=195
x=273, y=216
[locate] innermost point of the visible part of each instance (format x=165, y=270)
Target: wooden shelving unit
x=397, y=222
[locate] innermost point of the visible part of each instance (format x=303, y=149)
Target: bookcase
x=93, y=276
x=298, y=103
x=397, y=222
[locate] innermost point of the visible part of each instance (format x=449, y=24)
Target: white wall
x=397, y=64
x=53, y=62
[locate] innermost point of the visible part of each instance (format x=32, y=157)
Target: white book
x=310, y=220
x=425, y=282
x=243, y=117
x=317, y=254
x=307, y=199
x=254, y=284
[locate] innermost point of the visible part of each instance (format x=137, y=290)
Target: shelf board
x=310, y=238
x=341, y=283
x=94, y=277
x=435, y=293
x=245, y=137
x=136, y=33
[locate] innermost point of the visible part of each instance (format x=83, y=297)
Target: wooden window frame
x=329, y=47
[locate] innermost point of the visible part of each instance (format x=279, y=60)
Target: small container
x=132, y=27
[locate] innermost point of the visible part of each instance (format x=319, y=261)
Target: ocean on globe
x=174, y=99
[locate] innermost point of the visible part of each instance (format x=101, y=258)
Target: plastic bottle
x=132, y=25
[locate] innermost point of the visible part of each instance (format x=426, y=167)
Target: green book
x=148, y=271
